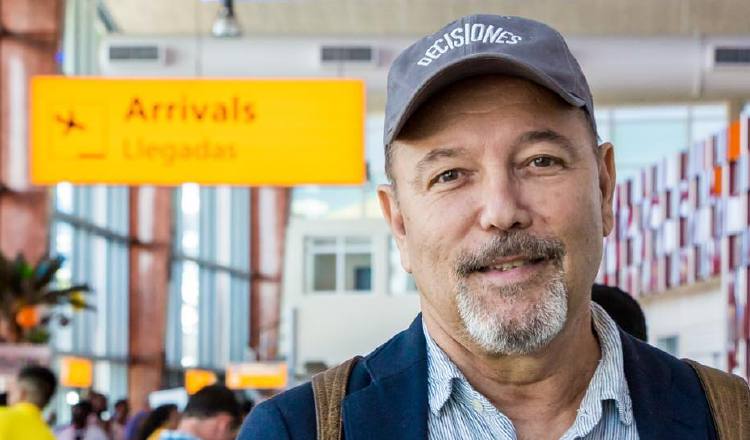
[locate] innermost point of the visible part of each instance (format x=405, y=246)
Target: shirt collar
x=607, y=383
x=441, y=374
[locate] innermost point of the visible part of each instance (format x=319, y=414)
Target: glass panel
x=190, y=204
x=358, y=272
x=64, y=197
x=333, y=202
x=324, y=272
x=325, y=243
x=705, y=128
x=189, y=317
x=374, y=151
x=189, y=283
x=650, y=113
x=642, y=143
x=63, y=245
x=710, y=111
x=670, y=344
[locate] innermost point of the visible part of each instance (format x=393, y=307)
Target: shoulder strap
x=329, y=389
x=729, y=399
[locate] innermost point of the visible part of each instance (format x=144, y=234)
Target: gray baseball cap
x=480, y=45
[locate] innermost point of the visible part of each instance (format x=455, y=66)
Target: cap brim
x=484, y=64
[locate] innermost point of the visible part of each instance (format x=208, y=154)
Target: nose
x=502, y=204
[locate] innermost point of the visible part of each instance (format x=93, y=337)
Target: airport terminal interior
x=188, y=187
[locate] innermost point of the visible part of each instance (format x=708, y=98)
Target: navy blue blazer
x=387, y=396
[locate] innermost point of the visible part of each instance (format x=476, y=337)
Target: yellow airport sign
x=76, y=372
x=196, y=379
x=208, y=131
x=257, y=375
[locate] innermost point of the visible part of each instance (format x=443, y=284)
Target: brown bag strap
x=729, y=400
x=329, y=389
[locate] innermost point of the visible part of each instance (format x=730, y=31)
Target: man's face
x=499, y=210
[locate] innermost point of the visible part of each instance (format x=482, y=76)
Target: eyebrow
x=546, y=135
x=435, y=155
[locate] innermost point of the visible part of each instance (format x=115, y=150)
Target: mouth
x=513, y=271
x=511, y=264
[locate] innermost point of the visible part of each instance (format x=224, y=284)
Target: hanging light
x=226, y=24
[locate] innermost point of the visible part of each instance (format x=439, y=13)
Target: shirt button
x=477, y=405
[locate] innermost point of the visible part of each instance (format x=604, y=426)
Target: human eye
x=544, y=162
x=447, y=176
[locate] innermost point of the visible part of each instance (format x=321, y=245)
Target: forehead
x=494, y=94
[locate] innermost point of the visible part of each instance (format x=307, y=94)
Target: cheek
x=574, y=216
x=434, y=232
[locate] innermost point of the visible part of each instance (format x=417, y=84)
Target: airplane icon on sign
x=70, y=123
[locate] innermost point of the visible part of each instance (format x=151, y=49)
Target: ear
x=395, y=219
x=607, y=182
x=224, y=423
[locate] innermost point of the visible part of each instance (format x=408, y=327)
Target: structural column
x=149, y=261
x=30, y=31
x=269, y=209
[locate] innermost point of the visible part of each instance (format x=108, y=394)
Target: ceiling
x=391, y=18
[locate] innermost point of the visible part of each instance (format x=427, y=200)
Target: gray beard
x=498, y=334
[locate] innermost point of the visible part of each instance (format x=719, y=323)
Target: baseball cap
x=479, y=45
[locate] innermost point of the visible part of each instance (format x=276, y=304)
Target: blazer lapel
x=394, y=405
x=667, y=399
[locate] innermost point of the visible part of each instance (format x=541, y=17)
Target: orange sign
x=208, y=131
x=196, y=379
x=76, y=372
x=259, y=375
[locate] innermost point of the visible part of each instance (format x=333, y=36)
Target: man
x=119, y=419
x=81, y=427
x=28, y=394
x=134, y=423
x=499, y=199
x=212, y=413
x=99, y=405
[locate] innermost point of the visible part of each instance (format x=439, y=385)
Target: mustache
x=516, y=243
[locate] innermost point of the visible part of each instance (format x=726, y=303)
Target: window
x=89, y=228
x=400, y=281
x=209, y=298
x=670, y=344
x=339, y=264
x=643, y=135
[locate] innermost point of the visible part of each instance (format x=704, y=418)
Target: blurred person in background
x=119, y=420
x=80, y=427
x=212, y=413
x=622, y=308
x=162, y=417
x=246, y=405
x=134, y=424
x=28, y=394
x=99, y=407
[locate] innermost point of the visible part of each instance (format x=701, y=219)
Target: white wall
x=332, y=327
x=697, y=314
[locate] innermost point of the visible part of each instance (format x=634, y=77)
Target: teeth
x=510, y=265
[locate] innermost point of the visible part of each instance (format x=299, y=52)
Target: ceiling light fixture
x=226, y=24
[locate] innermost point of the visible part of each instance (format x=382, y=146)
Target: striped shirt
x=457, y=411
